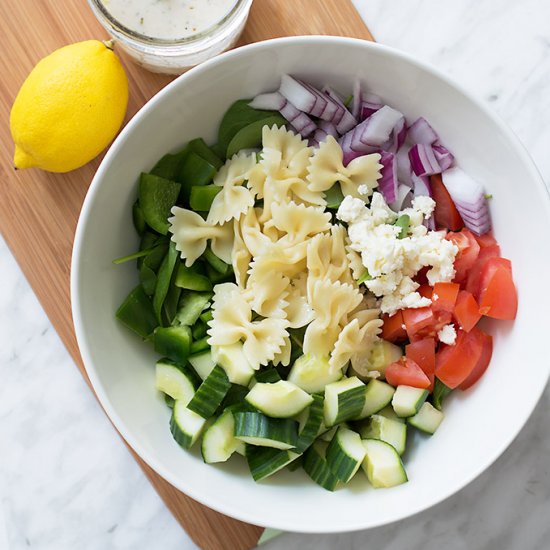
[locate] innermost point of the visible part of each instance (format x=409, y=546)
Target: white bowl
x=479, y=423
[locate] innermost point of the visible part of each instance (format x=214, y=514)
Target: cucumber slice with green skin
x=269, y=376
x=408, y=400
x=391, y=431
x=191, y=306
x=317, y=469
x=345, y=454
x=233, y=360
x=185, y=425
x=377, y=396
x=327, y=435
x=265, y=461
x=218, y=441
x=210, y=393
x=441, y=391
x=388, y=412
x=312, y=374
x=199, y=345
x=180, y=383
x=169, y=401
x=203, y=363
x=311, y=423
x=382, y=464
x=344, y=400
x=427, y=419
x=257, y=429
x=234, y=396
x=279, y=400
x=173, y=342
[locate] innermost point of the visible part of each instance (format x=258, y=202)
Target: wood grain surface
x=39, y=210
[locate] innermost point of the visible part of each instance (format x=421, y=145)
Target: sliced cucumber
x=185, y=425
x=265, y=461
x=235, y=395
x=327, y=434
x=311, y=422
x=218, y=441
x=268, y=376
x=316, y=467
x=389, y=430
x=441, y=391
x=203, y=363
x=408, y=400
x=279, y=400
x=180, y=383
x=255, y=428
x=233, y=360
x=210, y=393
x=377, y=396
x=312, y=374
x=382, y=464
x=344, y=400
x=345, y=454
x=427, y=419
x=388, y=412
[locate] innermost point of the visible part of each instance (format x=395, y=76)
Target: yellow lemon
x=69, y=108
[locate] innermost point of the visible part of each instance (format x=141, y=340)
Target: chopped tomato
x=444, y=296
x=468, y=251
x=406, y=372
x=446, y=215
x=393, y=328
x=425, y=291
x=422, y=353
x=466, y=311
x=486, y=240
x=498, y=297
x=424, y=322
x=474, y=275
x=482, y=362
x=421, y=277
x=453, y=364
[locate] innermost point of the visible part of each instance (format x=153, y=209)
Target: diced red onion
x=329, y=128
x=423, y=160
x=387, y=184
x=269, y=102
x=347, y=150
x=404, y=170
x=421, y=186
x=299, y=120
x=367, y=109
x=421, y=132
x=298, y=94
x=371, y=98
x=338, y=100
x=444, y=157
x=469, y=198
x=357, y=99
x=403, y=199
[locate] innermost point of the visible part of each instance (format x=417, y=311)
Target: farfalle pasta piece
x=331, y=302
x=298, y=311
x=356, y=339
x=355, y=262
x=298, y=221
x=327, y=167
x=240, y=257
x=280, y=258
x=251, y=230
x=232, y=322
x=191, y=234
x=234, y=199
x=283, y=357
x=267, y=293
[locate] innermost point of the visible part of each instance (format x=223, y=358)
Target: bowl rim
x=101, y=395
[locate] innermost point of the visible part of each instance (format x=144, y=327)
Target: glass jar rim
x=150, y=40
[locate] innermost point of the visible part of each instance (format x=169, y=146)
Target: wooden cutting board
x=39, y=211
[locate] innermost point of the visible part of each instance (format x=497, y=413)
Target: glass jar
x=175, y=56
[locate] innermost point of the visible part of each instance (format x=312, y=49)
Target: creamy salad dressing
x=169, y=19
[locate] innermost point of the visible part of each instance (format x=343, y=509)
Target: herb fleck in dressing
x=169, y=19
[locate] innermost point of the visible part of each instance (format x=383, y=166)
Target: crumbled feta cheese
x=363, y=189
x=350, y=209
x=393, y=262
x=447, y=335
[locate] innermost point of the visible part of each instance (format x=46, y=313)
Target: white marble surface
x=66, y=479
